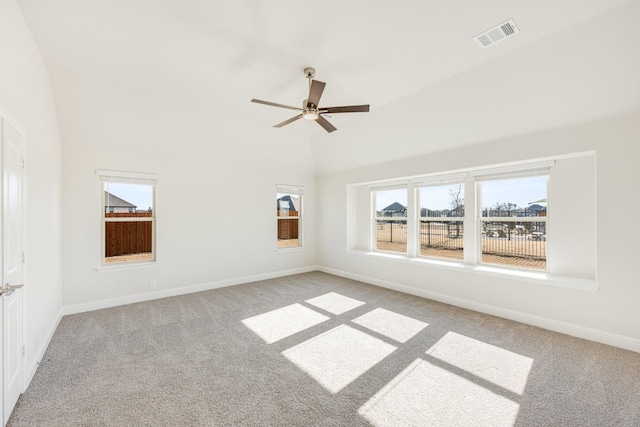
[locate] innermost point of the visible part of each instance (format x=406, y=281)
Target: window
x=433, y=216
x=441, y=226
x=390, y=219
x=513, y=219
x=289, y=216
x=128, y=217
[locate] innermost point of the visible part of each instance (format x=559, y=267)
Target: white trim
x=296, y=190
x=290, y=189
x=129, y=218
x=114, y=302
x=128, y=177
x=537, y=277
x=5, y=115
x=572, y=329
x=285, y=249
x=393, y=185
x=126, y=265
x=444, y=179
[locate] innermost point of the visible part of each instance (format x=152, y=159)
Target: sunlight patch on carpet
x=499, y=366
x=335, y=303
x=339, y=356
x=283, y=322
x=427, y=395
x=392, y=325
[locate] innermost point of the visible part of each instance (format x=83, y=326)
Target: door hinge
x=22, y=163
x=23, y=350
x=23, y=258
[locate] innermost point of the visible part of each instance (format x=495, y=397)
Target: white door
x=12, y=267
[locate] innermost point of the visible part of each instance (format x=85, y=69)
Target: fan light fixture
x=310, y=114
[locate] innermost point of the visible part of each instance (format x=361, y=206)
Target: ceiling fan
x=310, y=109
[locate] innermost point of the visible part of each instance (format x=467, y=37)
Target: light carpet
x=319, y=350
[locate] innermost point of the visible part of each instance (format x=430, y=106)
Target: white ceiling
x=393, y=55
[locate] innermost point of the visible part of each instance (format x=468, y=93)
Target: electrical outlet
x=153, y=285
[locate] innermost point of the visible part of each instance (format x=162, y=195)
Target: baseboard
x=30, y=370
x=591, y=334
x=596, y=335
x=114, y=302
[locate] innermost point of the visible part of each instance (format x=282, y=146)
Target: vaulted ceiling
x=414, y=62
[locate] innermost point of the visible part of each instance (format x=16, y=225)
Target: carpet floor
x=320, y=350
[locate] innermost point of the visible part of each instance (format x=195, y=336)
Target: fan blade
x=325, y=124
x=347, y=109
x=286, y=122
x=315, y=92
x=273, y=104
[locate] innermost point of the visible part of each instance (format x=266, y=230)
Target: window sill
x=529, y=276
x=126, y=266
x=291, y=249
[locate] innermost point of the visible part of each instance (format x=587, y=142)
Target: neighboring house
x=286, y=203
x=394, y=209
x=114, y=204
x=457, y=212
x=536, y=210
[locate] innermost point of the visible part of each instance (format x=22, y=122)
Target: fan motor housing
x=309, y=72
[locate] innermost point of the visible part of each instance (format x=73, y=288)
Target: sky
x=521, y=191
x=137, y=194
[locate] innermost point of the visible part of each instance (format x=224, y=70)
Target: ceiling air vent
x=496, y=34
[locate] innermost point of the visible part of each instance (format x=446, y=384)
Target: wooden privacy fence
x=128, y=237
x=287, y=228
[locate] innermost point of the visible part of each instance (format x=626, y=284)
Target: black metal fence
x=521, y=244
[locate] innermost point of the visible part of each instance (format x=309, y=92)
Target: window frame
x=121, y=177
x=526, y=171
x=471, y=180
x=439, y=181
x=289, y=190
x=406, y=219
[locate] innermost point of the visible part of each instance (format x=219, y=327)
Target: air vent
x=496, y=34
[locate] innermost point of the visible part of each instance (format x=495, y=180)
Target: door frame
x=5, y=116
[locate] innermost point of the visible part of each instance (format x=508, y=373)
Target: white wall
x=216, y=199
x=611, y=311
x=25, y=94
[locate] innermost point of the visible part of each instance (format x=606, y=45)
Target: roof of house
x=395, y=207
x=536, y=207
x=285, y=202
x=116, y=202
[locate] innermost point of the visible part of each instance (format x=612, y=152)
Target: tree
x=504, y=207
x=456, y=203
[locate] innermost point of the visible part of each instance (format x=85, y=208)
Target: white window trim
x=511, y=172
x=472, y=243
x=470, y=264
x=127, y=178
x=409, y=219
x=520, y=275
x=299, y=191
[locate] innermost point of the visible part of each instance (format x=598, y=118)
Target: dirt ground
x=288, y=243
x=129, y=258
x=510, y=261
